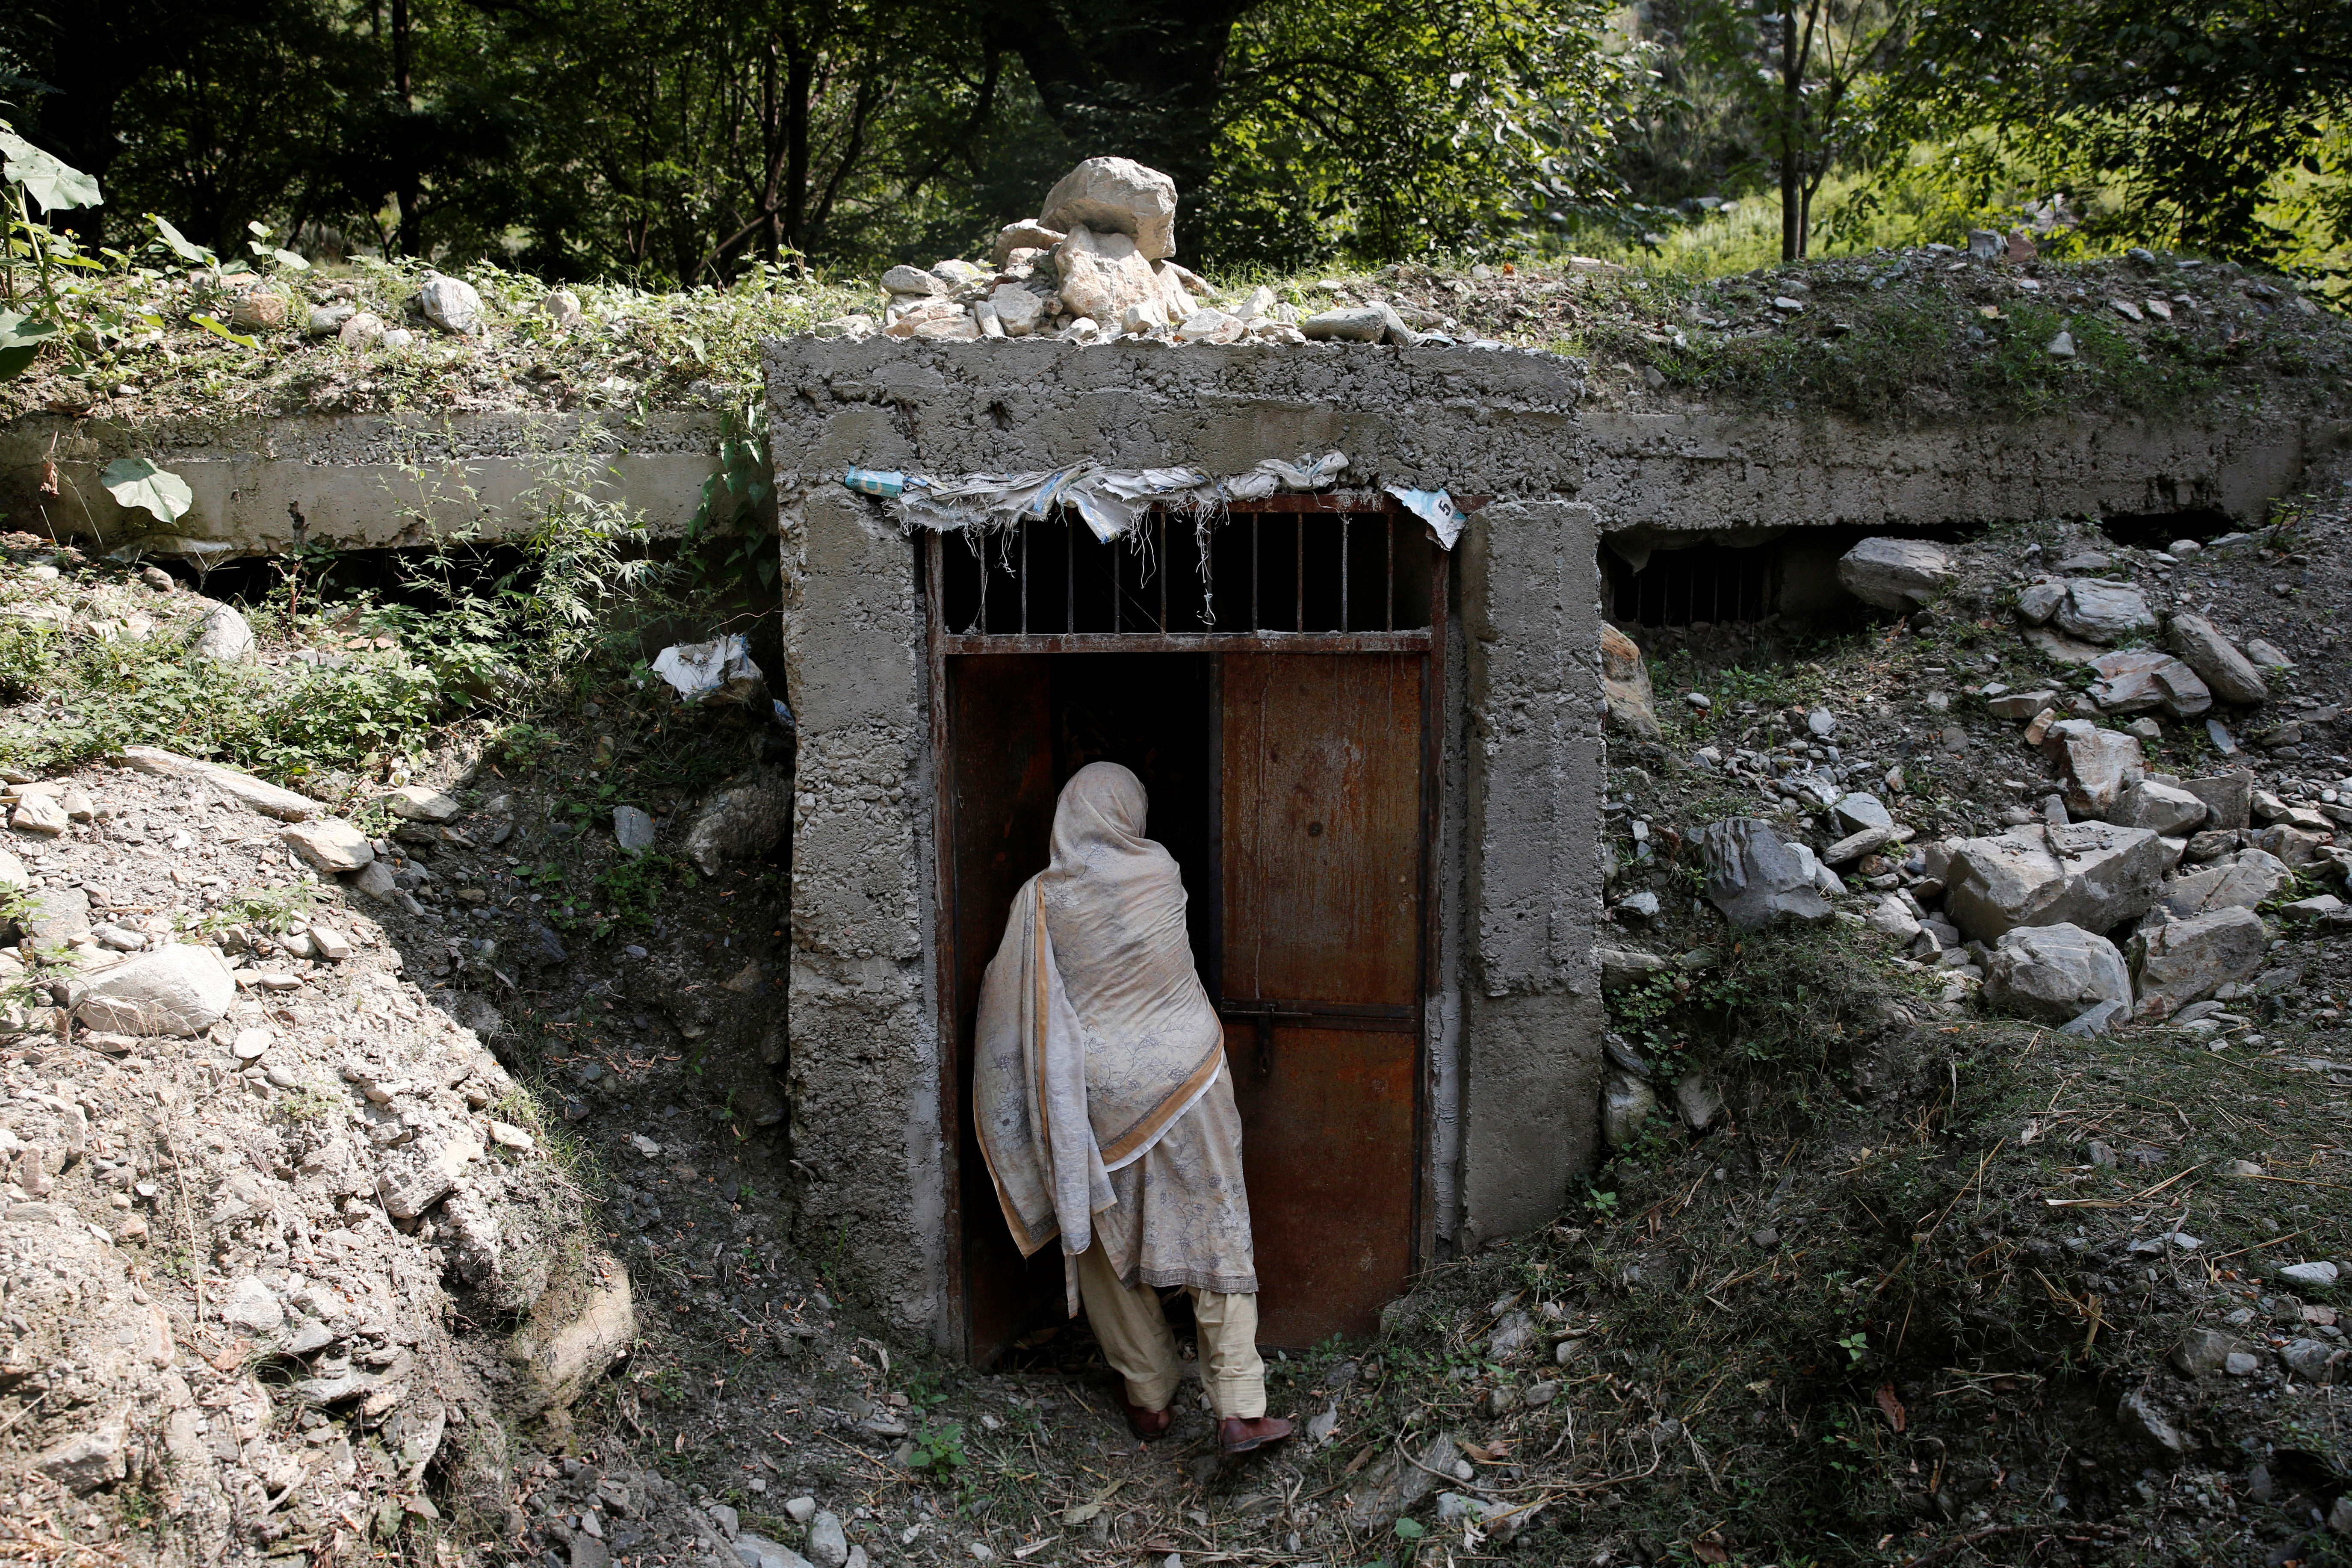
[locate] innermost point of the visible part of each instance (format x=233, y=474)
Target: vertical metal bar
x=1117, y=587
x=1163, y=573
x=1254, y=555
x=1021, y=524
x=1070, y=573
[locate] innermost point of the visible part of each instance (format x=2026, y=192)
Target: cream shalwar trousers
x=1135, y=1340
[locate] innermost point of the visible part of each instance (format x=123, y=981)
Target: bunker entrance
x=1289, y=754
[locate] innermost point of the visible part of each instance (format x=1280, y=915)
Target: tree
x=2192, y=109
x=1800, y=70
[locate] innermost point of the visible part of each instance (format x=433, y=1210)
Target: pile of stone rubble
x=2120, y=894
x=1098, y=264
x=264, y=1199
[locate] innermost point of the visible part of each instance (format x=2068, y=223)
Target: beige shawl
x=1095, y=1034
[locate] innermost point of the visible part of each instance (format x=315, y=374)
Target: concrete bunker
x=948, y=676
x=1377, y=759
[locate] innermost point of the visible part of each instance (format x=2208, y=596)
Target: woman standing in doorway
x=1105, y=1111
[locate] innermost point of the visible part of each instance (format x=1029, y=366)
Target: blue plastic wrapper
x=875, y=482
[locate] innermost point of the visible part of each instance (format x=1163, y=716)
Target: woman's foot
x=1149, y=1424
x=1236, y=1436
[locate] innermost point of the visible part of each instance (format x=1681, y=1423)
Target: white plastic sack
x=720, y=670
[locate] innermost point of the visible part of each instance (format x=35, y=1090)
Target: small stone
x=2061, y=347
x=251, y=1306
x=41, y=814
x=2055, y=972
x=414, y=802
x=828, y=1545
x=2200, y=1351
x=362, y=331
x=452, y=305
x=1347, y=325
x=2239, y=1363
x=2314, y=1361
x=250, y=1043
x=2138, y=1416
x=2103, y=611
x=332, y=944
x=2320, y=1273
x=561, y=307
x=799, y=1509
x=329, y=844
x=258, y=313
x=633, y=830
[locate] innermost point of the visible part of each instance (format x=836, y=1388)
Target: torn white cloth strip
x=1110, y=500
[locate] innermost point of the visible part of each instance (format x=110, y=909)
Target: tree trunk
x=1793, y=98
x=406, y=192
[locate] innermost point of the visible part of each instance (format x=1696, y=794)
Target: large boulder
x=2094, y=875
x=2177, y=961
x=746, y=822
x=2246, y=881
x=1756, y=878
x=1103, y=276
x=1897, y=574
x=241, y=787
x=1625, y=685
x=2055, y=971
x=584, y=1323
x=2160, y=807
x=224, y=636
x=182, y=989
x=2099, y=765
x=1116, y=196
x=2135, y=682
x=2103, y=611
x=2231, y=675
x=2230, y=797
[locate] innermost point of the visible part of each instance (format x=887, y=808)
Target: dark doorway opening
x=1020, y=725
x=1706, y=584
x=2153, y=530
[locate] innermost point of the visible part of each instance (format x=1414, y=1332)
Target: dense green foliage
x=679, y=142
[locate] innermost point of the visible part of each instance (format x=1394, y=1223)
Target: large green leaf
x=136, y=482
x=21, y=338
x=179, y=242
x=52, y=184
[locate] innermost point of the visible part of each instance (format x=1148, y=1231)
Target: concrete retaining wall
x=360, y=482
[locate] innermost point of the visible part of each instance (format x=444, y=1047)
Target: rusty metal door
x=1322, y=888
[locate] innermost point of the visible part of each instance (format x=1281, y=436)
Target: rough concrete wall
x=865, y=1074
x=1483, y=424
x=1531, y=1002
x=358, y=480
x=1677, y=470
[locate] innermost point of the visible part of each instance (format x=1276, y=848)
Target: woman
x=1107, y=1115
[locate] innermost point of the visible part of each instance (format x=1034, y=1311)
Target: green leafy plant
x=31, y=177
x=276, y=910
x=138, y=485
x=631, y=891
x=937, y=1450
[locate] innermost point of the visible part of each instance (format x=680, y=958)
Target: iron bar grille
x=1270, y=575
x=1712, y=584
